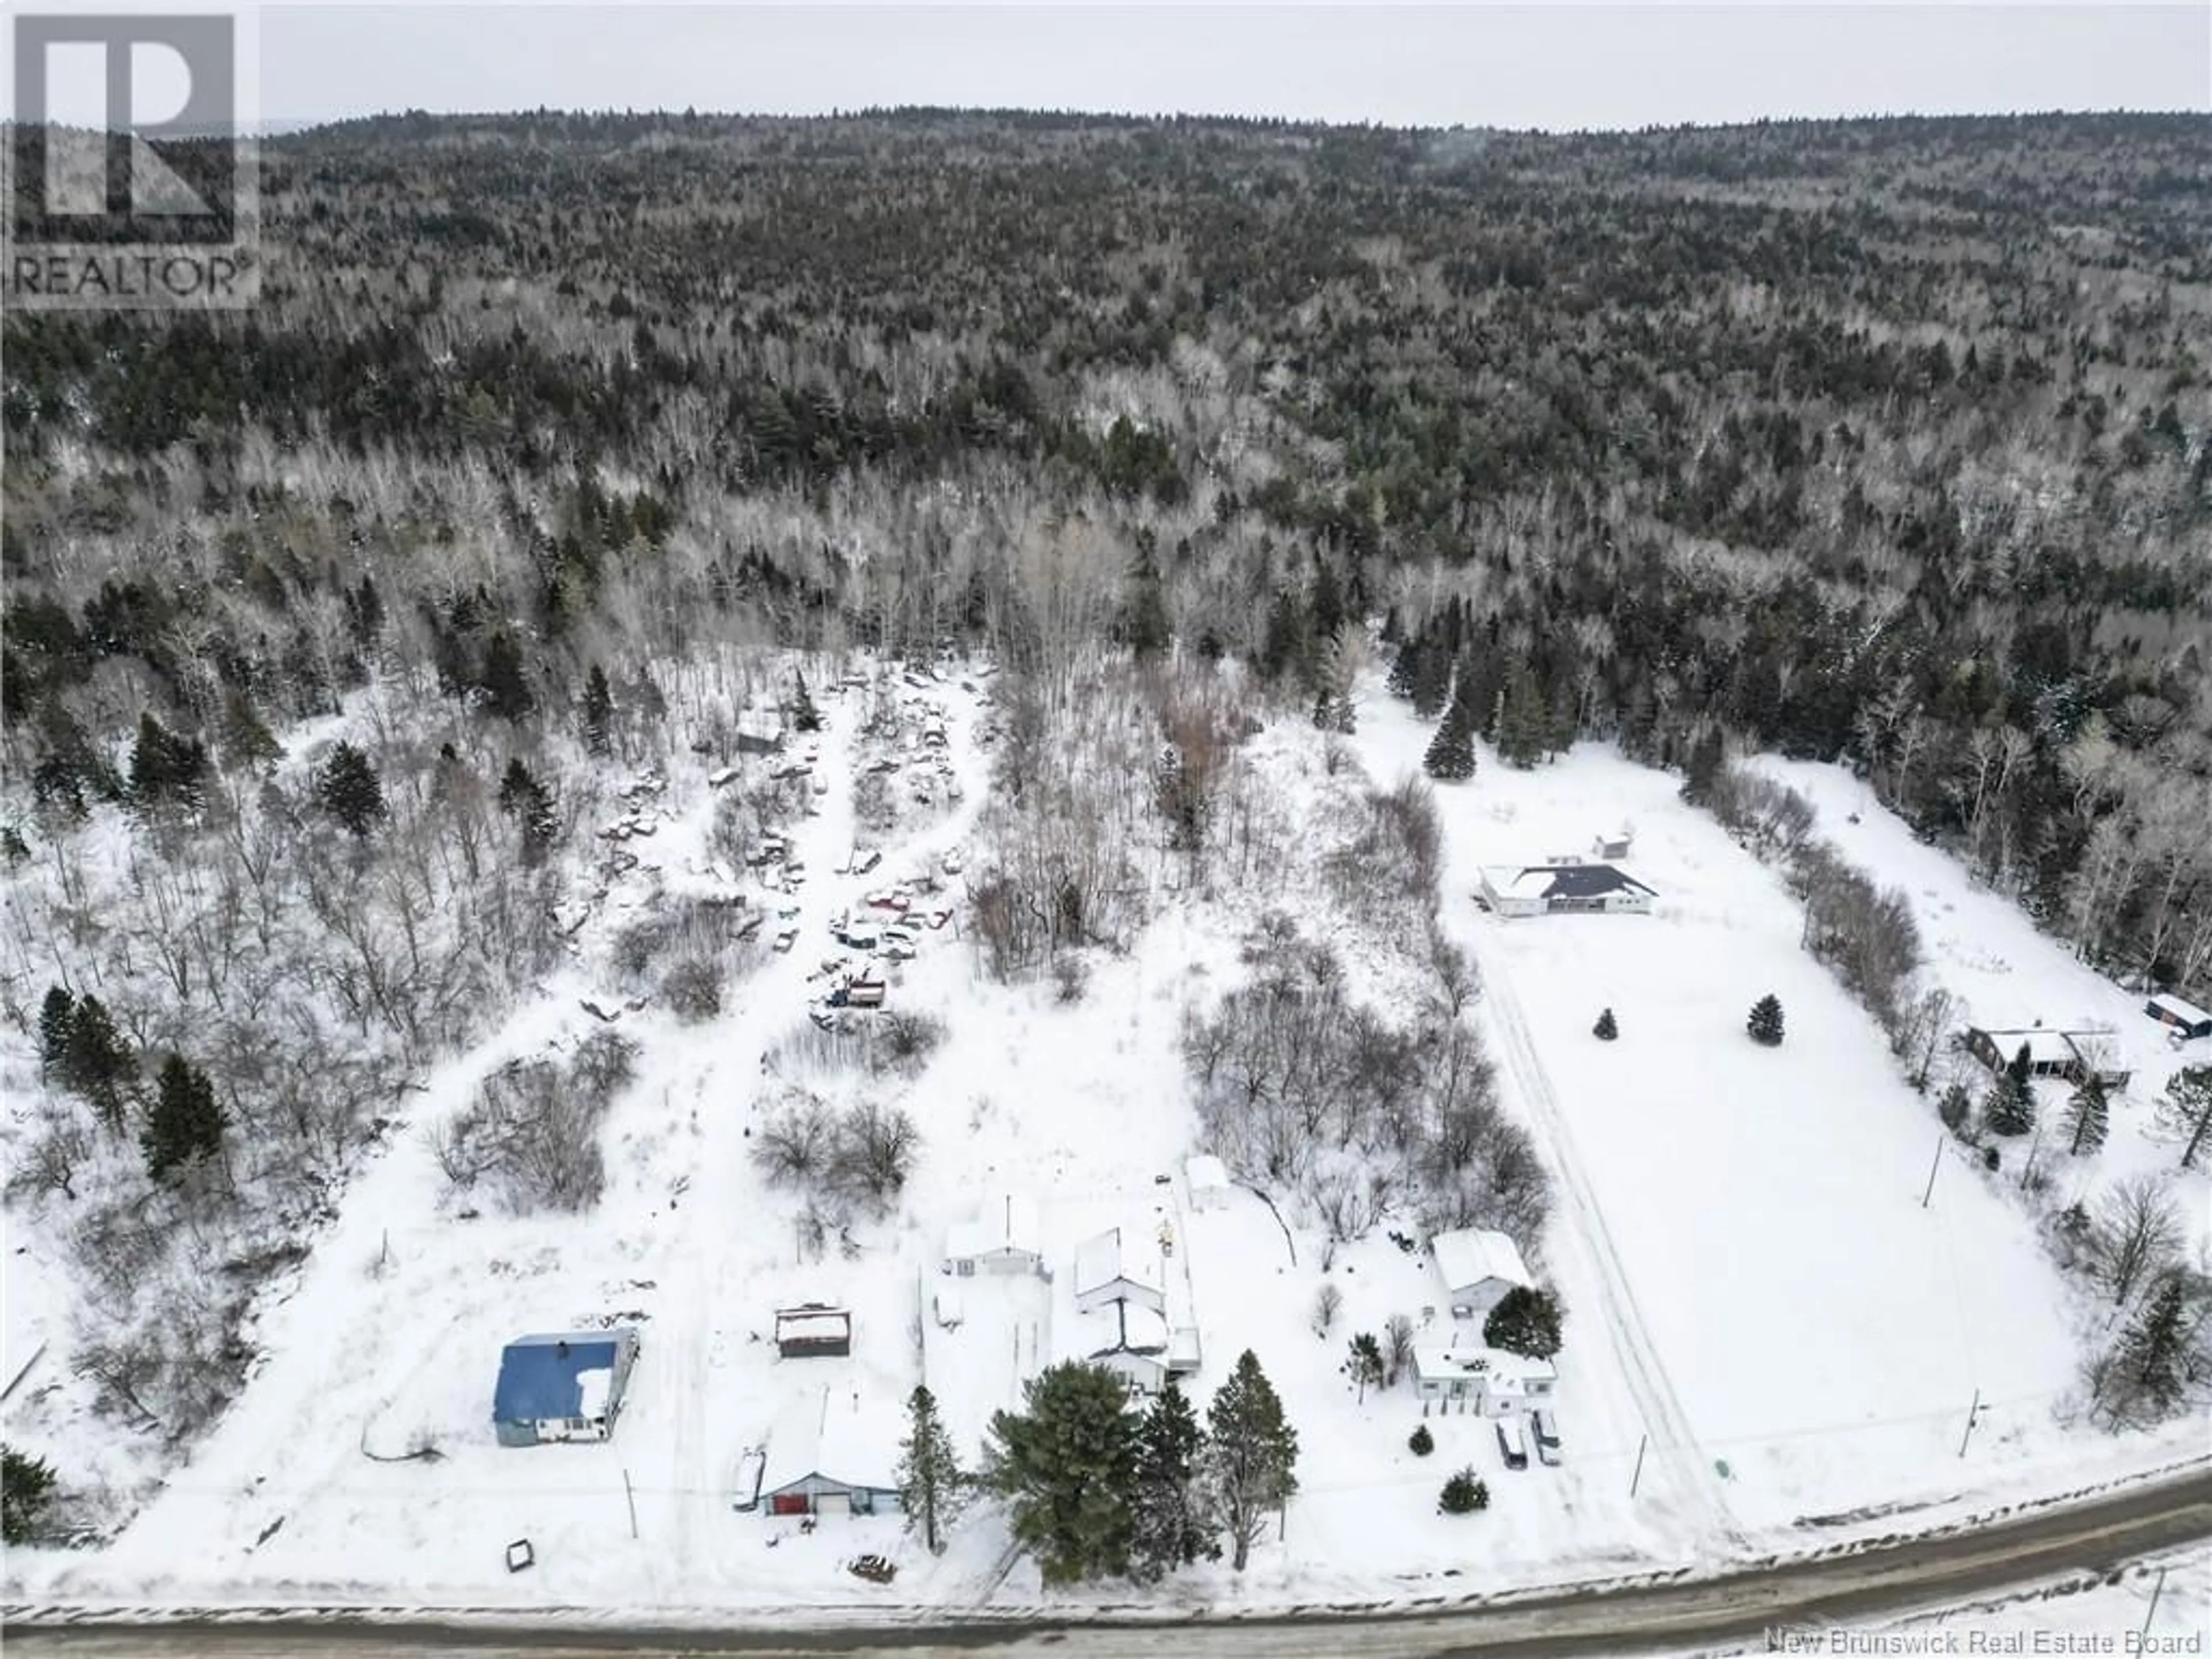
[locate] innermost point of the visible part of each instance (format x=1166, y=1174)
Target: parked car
x=1512, y=1444
x=1546, y=1429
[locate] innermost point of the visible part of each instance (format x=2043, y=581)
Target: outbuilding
x=562, y=1386
x=1207, y=1178
x=814, y=1331
x=1109, y=1270
x=2188, y=1021
x=1002, y=1240
x=1478, y=1267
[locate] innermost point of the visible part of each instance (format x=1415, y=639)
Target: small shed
x=1108, y=1271
x=1613, y=843
x=1207, y=1177
x=1002, y=1240
x=814, y=1331
x=2188, y=1021
x=831, y=1452
x=562, y=1386
x=1562, y=887
x=760, y=732
x=1478, y=1267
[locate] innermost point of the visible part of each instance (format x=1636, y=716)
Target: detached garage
x=2188, y=1021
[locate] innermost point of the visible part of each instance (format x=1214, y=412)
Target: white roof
x=1205, y=1171
x=1101, y=1259
x=2188, y=1012
x=2045, y=1047
x=1474, y=1255
x=812, y=1324
x=833, y=1431
x=1008, y=1223
x=1494, y=1365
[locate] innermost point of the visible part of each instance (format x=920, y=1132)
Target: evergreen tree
x=1523, y=721
x=1145, y=611
x=1955, y=1107
x=1464, y=1493
x=2088, y=1118
x=1525, y=1322
x=1364, y=1364
x=525, y=800
x=1251, y=1456
x=1287, y=642
x=1708, y=758
x=2149, y=1368
x=26, y=1487
x=1606, y=1029
x=1765, y=1024
x=1432, y=676
x=599, y=711
x=1172, y=1526
x=1404, y=670
x=1420, y=1442
x=97, y=1064
x=165, y=767
x=1067, y=1466
x=804, y=716
x=246, y=739
x=1328, y=605
x=186, y=1121
x=505, y=685
x=55, y=1015
x=2184, y=1111
x=349, y=789
x=2011, y=1108
x=932, y=1489
x=1450, y=758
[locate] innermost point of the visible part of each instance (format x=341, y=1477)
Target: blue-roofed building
x=562, y=1387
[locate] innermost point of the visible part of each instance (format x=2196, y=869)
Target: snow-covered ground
x=1771, y=1344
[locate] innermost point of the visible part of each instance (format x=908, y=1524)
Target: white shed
x=1207, y=1178
x=1478, y=1267
x=1486, y=1382
x=1003, y=1239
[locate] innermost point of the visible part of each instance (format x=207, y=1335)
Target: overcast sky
x=1555, y=66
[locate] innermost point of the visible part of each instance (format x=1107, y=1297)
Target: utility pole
x=2156, y=1591
x=1636, y=1479
x=1973, y=1416
x=632, y=1498
x=1933, y=1167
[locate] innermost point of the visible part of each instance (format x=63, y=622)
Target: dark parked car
x=1512, y=1445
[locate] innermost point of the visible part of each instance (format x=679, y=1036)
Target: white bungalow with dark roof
x=1478, y=1267
x=1563, y=888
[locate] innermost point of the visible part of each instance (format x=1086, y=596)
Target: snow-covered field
x=1770, y=1339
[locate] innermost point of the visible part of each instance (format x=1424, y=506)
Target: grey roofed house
x=1478, y=1267
x=1556, y=888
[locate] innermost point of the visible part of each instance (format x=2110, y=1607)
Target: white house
x=1563, y=888
x=1127, y=1339
x=1119, y=1266
x=831, y=1452
x=1477, y=1266
x=1002, y=1240
x=1486, y=1382
x=1207, y=1178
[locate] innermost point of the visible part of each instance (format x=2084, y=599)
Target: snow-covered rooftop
x=1474, y=1255
x=837, y=1431
x=2187, y=1012
x=1205, y=1172
x=1008, y=1224
x=1117, y=1253
x=1555, y=880
x=2044, y=1046
x=1494, y=1365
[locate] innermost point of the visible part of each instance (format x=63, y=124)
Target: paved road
x=1733, y=1609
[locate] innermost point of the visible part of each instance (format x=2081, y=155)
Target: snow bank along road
x=2093, y=1536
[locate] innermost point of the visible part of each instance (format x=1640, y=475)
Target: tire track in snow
x=1640, y=1365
